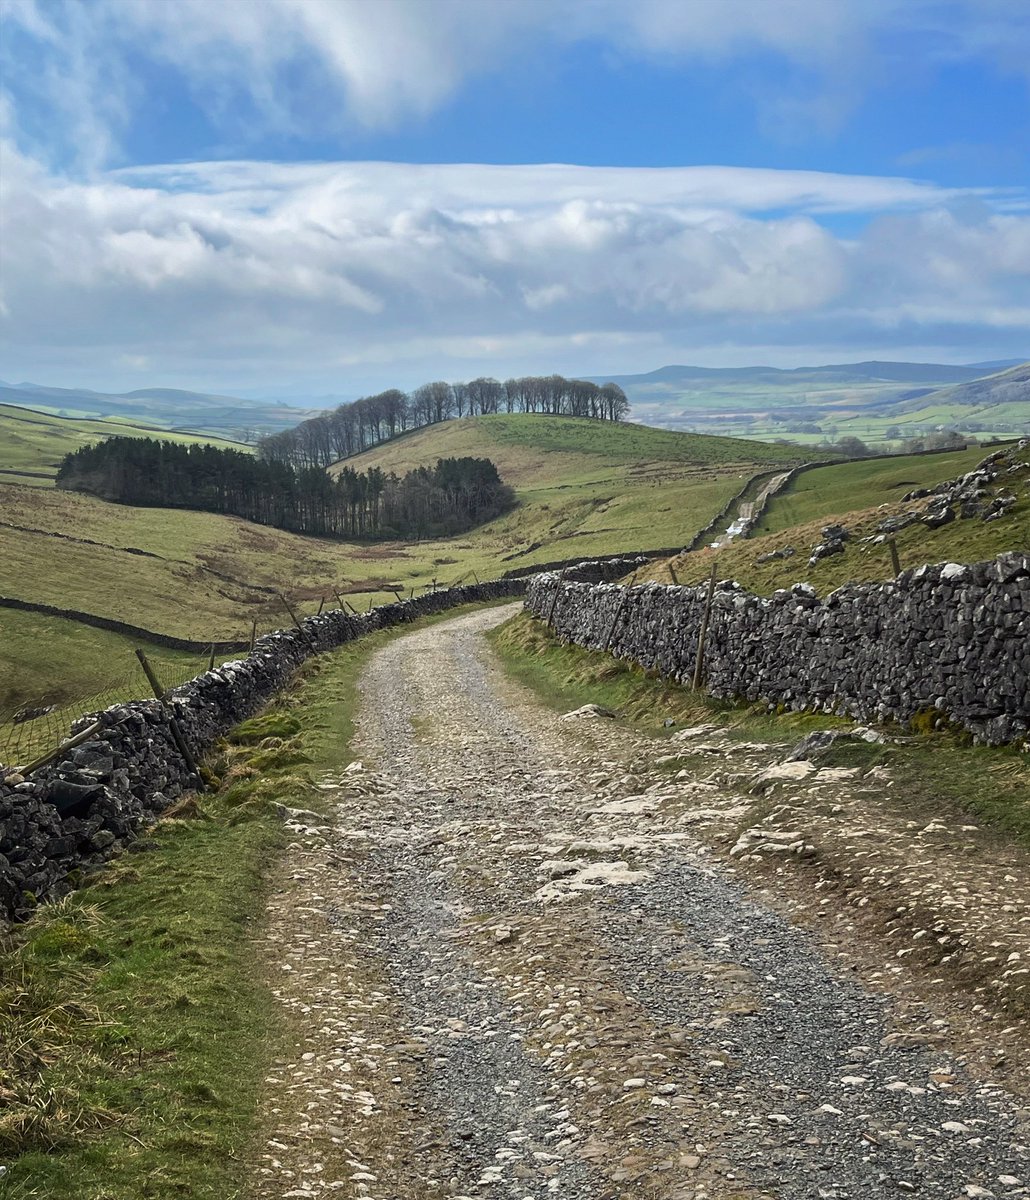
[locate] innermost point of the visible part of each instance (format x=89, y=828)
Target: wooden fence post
x=554, y=601
x=339, y=599
x=173, y=723
x=253, y=634
x=672, y=573
x=892, y=546
x=321, y=605
x=300, y=627
x=703, y=632
x=82, y=736
x=211, y=659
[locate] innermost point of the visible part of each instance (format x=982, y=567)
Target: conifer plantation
x=453, y=496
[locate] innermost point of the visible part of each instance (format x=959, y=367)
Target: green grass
x=58, y=661
x=585, y=488
x=32, y=443
x=144, y=1082
x=877, y=491
x=828, y=491
x=135, y=1024
x=621, y=443
x=939, y=775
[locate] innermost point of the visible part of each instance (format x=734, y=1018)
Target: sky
x=324, y=198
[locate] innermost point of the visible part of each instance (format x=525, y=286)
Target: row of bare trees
x=365, y=423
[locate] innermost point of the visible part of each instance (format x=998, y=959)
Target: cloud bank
x=239, y=272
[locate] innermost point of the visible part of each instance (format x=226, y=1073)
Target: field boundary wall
x=950, y=639
x=75, y=813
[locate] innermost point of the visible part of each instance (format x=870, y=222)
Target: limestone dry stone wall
x=77, y=812
x=950, y=637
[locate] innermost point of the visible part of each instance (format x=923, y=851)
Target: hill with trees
x=352, y=428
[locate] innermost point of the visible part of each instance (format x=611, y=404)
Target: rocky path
x=516, y=967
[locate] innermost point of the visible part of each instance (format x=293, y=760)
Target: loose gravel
x=520, y=961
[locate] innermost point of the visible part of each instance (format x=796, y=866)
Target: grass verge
x=135, y=1027
x=938, y=775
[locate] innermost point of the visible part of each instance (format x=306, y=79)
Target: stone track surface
x=514, y=967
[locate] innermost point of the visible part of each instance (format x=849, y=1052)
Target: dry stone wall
x=83, y=809
x=950, y=637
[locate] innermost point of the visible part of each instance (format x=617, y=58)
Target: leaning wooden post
x=554, y=600
x=300, y=627
x=370, y=601
x=173, y=722
x=352, y=608
x=253, y=634
x=293, y=615
x=615, y=619
x=699, y=661
x=412, y=592
x=672, y=573
x=321, y=605
x=82, y=736
x=892, y=546
x=339, y=598
x=211, y=658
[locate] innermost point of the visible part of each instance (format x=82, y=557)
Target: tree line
x=453, y=496
x=362, y=424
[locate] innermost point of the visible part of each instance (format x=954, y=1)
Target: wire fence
x=38, y=726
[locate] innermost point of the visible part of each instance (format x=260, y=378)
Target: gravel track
x=516, y=968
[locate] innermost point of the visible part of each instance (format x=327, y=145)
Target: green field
x=32, y=444
x=859, y=495
x=584, y=488
x=844, y=487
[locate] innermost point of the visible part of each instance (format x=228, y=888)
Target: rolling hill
x=585, y=488
x=33, y=443
x=860, y=495
x=811, y=404
x=162, y=408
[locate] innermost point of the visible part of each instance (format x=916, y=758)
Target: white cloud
x=334, y=65
x=249, y=271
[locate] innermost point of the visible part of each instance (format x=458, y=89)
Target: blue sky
x=308, y=197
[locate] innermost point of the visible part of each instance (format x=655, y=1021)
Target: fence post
x=173, y=722
x=253, y=634
x=703, y=631
x=321, y=605
x=554, y=601
x=339, y=599
x=892, y=546
x=211, y=658
x=286, y=604
x=82, y=736
x=672, y=573
x=618, y=613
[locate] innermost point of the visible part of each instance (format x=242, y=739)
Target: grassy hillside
x=32, y=444
x=859, y=495
x=584, y=489
x=588, y=487
x=826, y=491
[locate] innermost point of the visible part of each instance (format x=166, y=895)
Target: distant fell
x=166, y=408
